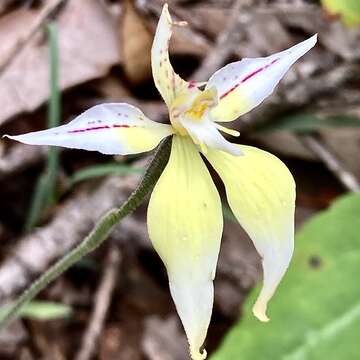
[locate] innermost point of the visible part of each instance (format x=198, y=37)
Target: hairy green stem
x=98, y=234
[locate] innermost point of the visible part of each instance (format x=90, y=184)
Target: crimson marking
x=98, y=128
x=121, y=126
x=192, y=84
x=247, y=77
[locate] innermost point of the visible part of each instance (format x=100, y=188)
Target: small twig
x=331, y=161
x=102, y=302
x=48, y=10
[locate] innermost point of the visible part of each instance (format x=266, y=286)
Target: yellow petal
x=166, y=80
x=261, y=193
x=185, y=226
x=114, y=128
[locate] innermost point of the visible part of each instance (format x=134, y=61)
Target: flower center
x=191, y=105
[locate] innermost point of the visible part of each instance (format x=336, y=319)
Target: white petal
x=107, y=128
x=244, y=84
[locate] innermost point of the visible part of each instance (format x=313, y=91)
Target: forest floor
x=119, y=296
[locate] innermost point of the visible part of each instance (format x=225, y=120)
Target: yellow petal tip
x=197, y=355
x=259, y=311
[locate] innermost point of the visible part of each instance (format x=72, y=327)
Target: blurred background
x=58, y=58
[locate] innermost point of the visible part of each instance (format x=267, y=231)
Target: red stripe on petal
x=249, y=76
x=89, y=129
x=122, y=126
x=98, y=128
x=192, y=84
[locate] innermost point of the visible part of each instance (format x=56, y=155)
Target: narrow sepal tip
x=198, y=355
x=259, y=311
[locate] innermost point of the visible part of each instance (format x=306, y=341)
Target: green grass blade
x=53, y=109
x=44, y=194
x=37, y=202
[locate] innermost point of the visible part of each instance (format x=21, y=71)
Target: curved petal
x=244, y=84
x=185, y=226
x=204, y=132
x=261, y=193
x=166, y=80
x=107, y=128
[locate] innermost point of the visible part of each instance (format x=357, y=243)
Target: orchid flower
x=185, y=220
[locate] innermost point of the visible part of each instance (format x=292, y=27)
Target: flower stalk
x=98, y=234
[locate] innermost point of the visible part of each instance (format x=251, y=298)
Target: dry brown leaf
x=88, y=48
x=136, y=42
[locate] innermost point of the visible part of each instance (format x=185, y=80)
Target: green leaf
x=347, y=10
x=102, y=170
x=54, y=111
x=41, y=310
x=38, y=200
x=307, y=123
x=315, y=314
